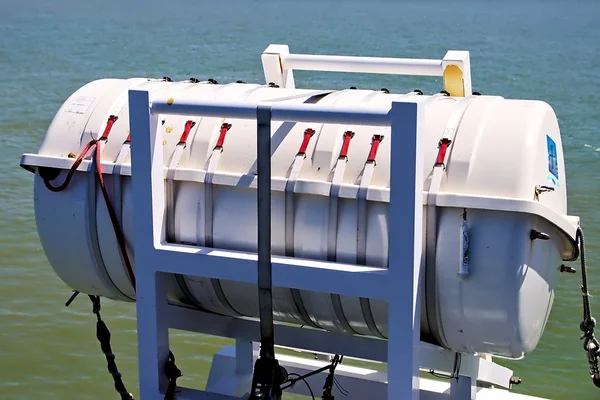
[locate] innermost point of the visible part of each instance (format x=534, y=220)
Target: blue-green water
x=546, y=50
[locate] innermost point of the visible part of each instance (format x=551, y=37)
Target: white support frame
x=279, y=64
x=398, y=285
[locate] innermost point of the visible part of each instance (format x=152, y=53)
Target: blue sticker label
x=552, y=158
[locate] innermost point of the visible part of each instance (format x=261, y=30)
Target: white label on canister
x=80, y=105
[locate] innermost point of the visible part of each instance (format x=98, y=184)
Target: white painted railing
x=372, y=65
x=455, y=67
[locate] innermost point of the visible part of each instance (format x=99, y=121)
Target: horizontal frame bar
x=320, y=276
x=291, y=112
x=184, y=393
x=372, y=65
x=191, y=320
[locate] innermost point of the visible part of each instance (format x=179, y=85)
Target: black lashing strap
x=268, y=375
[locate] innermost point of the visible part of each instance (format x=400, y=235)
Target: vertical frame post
x=148, y=215
x=244, y=356
x=405, y=248
x=463, y=388
x=274, y=68
x=263, y=193
x=456, y=67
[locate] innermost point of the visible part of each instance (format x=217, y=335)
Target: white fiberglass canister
x=491, y=262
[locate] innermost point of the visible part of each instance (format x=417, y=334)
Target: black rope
x=172, y=372
x=103, y=335
x=588, y=325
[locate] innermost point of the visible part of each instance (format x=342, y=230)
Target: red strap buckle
x=307, y=135
x=348, y=135
x=224, y=128
x=186, y=131
x=443, y=148
x=109, y=124
x=374, y=147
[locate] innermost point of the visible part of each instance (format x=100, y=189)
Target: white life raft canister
x=506, y=151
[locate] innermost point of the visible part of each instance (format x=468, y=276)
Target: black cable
x=455, y=369
x=587, y=312
x=438, y=375
x=587, y=326
x=303, y=379
x=315, y=372
x=330, y=367
x=340, y=387
x=457, y=363
x=329, y=381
